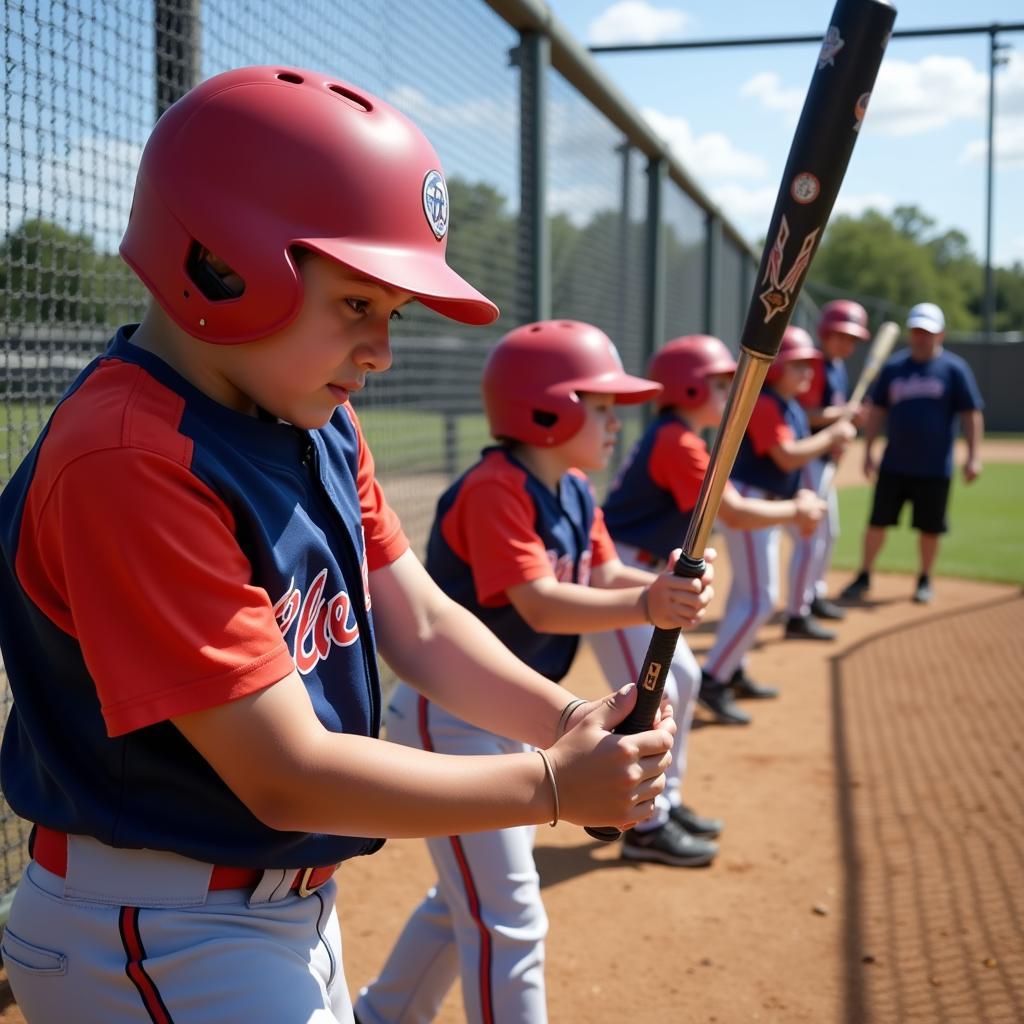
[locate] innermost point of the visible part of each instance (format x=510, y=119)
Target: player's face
x=301, y=374
x=923, y=344
x=718, y=386
x=592, y=445
x=838, y=345
x=796, y=378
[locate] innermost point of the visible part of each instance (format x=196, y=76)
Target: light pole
x=995, y=58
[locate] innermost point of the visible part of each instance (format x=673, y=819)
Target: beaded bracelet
x=551, y=778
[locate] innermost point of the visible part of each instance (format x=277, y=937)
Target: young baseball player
x=919, y=395
x=841, y=325
x=198, y=570
x=647, y=513
x=520, y=541
x=776, y=446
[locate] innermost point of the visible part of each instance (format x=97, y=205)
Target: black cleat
x=696, y=824
x=923, y=593
x=744, y=688
x=822, y=608
x=669, y=844
x=719, y=700
x=856, y=590
x=807, y=627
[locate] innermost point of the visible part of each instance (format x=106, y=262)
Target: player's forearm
x=357, y=786
x=570, y=608
x=790, y=455
x=741, y=513
x=873, y=426
x=972, y=425
x=504, y=696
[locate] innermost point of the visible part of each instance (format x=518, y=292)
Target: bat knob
x=607, y=834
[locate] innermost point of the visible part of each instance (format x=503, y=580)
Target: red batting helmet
x=796, y=346
x=533, y=377
x=846, y=317
x=256, y=160
x=682, y=367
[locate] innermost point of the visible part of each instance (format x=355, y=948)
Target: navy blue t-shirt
x=923, y=401
x=774, y=420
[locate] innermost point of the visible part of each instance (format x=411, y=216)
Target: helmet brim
x=623, y=387
x=431, y=281
x=848, y=327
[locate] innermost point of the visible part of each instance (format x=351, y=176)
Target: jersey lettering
x=904, y=388
x=321, y=623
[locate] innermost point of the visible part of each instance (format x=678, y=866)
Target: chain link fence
x=563, y=204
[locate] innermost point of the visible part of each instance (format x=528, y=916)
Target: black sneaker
x=669, y=844
x=856, y=590
x=696, y=824
x=807, y=627
x=923, y=593
x=718, y=699
x=744, y=688
x=822, y=608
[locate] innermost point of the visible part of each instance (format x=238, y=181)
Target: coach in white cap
x=922, y=392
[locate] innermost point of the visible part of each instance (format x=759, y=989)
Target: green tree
x=48, y=275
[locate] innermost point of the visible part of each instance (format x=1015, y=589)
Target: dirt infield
x=872, y=868
x=872, y=863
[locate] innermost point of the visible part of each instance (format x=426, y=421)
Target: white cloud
x=768, y=90
x=1009, y=126
x=750, y=209
x=64, y=190
x=636, y=21
x=909, y=99
x=708, y=157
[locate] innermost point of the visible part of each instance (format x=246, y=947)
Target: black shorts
x=929, y=496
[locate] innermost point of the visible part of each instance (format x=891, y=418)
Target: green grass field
x=986, y=538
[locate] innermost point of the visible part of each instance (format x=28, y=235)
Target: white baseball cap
x=928, y=317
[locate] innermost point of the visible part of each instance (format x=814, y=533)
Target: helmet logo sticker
x=435, y=203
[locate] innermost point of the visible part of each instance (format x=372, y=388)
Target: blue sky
x=729, y=113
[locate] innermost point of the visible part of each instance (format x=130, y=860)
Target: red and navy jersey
x=651, y=499
x=164, y=554
x=498, y=526
x=774, y=420
x=923, y=401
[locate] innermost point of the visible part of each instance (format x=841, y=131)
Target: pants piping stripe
x=472, y=896
x=751, y=619
x=135, y=953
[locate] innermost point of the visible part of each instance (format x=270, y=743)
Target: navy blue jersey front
x=163, y=554
x=498, y=526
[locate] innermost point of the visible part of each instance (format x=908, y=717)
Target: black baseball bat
x=836, y=102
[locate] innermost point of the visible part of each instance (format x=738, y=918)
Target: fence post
x=654, y=311
x=177, y=45
x=533, y=56
x=712, y=271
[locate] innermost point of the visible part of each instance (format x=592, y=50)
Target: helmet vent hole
x=290, y=77
x=544, y=419
x=535, y=328
x=352, y=98
x=218, y=284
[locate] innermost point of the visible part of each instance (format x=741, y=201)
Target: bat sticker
x=860, y=109
x=805, y=188
x=651, y=679
x=832, y=44
x=777, y=298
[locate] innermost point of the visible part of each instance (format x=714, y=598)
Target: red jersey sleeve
x=767, y=428
x=382, y=530
x=678, y=461
x=136, y=558
x=497, y=539
x=602, y=547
